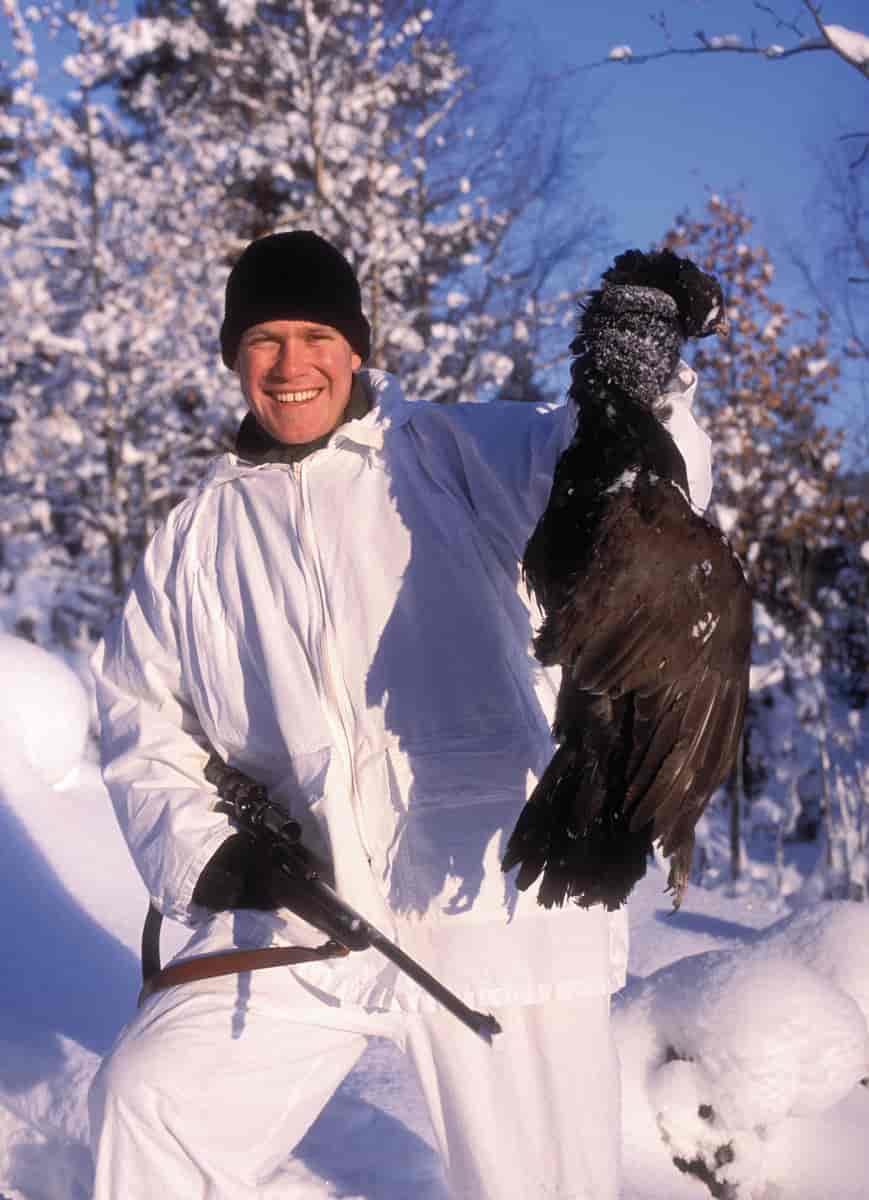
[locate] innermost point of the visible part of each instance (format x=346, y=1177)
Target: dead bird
x=646, y=607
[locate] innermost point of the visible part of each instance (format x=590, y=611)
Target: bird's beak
x=716, y=322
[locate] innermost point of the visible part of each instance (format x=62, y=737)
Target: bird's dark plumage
x=646, y=607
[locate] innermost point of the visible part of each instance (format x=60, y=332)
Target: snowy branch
x=850, y=45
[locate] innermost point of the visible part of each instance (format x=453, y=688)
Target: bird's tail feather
x=580, y=845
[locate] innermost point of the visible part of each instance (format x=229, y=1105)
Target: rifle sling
x=210, y=966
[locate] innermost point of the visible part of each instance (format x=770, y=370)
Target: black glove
x=238, y=875
x=243, y=874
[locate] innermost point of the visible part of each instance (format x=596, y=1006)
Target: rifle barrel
x=351, y=927
x=483, y=1025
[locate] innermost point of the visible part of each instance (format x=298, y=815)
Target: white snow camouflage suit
x=352, y=630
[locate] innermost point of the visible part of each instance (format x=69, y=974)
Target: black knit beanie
x=294, y=276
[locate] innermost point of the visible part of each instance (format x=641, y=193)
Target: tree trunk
x=735, y=797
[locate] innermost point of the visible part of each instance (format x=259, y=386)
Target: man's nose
x=290, y=357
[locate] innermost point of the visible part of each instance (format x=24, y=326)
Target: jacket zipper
x=330, y=670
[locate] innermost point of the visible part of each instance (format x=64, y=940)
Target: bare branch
x=708, y=45
x=864, y=153
x=780, y=22
x=717, y=44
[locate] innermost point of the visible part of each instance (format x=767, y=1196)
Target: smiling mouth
x=296, y=397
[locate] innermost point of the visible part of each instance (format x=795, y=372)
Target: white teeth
x=296, y=397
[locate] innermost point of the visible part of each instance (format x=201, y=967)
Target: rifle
x=308, y=894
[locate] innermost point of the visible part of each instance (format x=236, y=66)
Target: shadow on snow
x=63, y=974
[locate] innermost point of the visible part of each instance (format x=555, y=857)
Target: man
x=339, y=613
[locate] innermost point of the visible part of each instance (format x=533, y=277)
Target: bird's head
x=698, y=297
x=632, y=329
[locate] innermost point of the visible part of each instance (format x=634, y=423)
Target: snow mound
x=44, y=1126
x=832, y=938
x=729, y=1051
x=44, y=709
x=765, y=1036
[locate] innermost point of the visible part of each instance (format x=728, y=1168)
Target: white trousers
x=212, y=1085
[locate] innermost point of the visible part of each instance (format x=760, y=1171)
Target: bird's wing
x=683, y=749
x=664, y=615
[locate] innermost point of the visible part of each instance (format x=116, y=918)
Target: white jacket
x=352, y=631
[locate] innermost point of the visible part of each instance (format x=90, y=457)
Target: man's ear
x=355, y=361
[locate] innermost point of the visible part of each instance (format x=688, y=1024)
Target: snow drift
x=741, y=1061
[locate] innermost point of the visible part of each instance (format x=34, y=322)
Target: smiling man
x=296, y=378
x=338, y=612
x=295, y=333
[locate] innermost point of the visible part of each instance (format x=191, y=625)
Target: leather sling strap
x=210, y=966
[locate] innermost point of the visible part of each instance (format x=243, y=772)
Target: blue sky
x=666, y=131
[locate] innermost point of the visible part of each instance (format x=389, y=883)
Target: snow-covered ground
x=743, y=1036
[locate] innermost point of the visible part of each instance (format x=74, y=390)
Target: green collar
x=255, y=445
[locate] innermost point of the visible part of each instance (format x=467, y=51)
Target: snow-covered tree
x=779, y=492
x=360, y=120
x=190, y=129
x=799, y=525
x=97, y=359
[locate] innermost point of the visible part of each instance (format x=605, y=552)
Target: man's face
x=296, y=377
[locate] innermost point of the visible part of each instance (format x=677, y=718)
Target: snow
x=239, y=12
x=726, y=517
x=815, y=366
x=833, y=939
x=742, y=1032
x=50, y=737
x=766, y=1037
x=848, y=42
x=625, y=480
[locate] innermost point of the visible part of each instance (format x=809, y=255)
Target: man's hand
x=239, y=875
